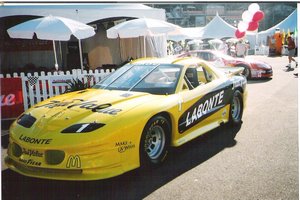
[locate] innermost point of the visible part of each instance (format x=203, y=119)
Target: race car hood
x=258, y=63
x=89, y=106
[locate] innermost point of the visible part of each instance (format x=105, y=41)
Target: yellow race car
x=130, y=118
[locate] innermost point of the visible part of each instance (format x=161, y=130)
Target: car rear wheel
x=247, y=72
x=236, y=108
x=155, y=141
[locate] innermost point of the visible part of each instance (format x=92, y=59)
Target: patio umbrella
x=52, y=28
x=197, y=42
x=232, y=40
x=216, y=43
x=185, y=33
x=141, y=27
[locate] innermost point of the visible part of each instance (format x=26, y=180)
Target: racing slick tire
x=236, y=108
x=155, y=141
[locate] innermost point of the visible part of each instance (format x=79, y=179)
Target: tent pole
x=120, y=47
x=54, y=49
x=80, y=54
x=145, y=46
x=60, y=53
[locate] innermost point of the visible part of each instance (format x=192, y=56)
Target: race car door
x=204, y=102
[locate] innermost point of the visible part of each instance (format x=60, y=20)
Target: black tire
x=155, y=141
x=236, y=108
x=246, y=71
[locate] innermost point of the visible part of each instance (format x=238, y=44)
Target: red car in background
x=252, y=68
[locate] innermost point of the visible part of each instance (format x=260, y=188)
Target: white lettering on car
x=204, y=108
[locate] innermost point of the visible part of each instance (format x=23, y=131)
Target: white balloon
x=247, y=16
x=253, y=8
x=242, y=26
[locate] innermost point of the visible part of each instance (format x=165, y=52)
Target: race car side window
x=191, y=77
x=185, y=85
x=201, y=74
x=207, y=75
x=203, y=55
x=213, y=57
x=196, y=75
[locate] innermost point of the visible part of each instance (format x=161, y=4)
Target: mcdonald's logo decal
x=73, y=162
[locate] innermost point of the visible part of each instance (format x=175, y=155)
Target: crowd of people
x=232, y=47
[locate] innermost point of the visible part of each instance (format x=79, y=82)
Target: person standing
x=291, y=49
x=240, y=49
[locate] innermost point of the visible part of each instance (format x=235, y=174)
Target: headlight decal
x=26, y=120
x=82, y=128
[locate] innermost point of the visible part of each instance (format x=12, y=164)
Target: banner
x=11, y=98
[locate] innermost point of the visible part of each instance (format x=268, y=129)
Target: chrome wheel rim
x=155, y=142
x=236, y=108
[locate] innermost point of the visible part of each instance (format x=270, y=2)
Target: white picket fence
x=38, y=87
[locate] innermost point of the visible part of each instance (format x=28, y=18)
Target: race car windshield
x=151, y=78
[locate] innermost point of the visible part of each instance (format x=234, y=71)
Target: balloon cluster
x=251, y=18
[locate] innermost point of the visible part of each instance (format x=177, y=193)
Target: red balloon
x=239, y=34
x=253, y=26
x=259, y=15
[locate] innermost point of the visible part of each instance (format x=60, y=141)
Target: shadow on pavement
x=261, y=80
x=288, y=69
x=135, y=184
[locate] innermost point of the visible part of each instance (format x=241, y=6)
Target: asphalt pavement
x=259, y=160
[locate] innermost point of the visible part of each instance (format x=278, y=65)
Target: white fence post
x=24, y=91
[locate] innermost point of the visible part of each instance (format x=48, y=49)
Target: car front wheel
x=155, y=141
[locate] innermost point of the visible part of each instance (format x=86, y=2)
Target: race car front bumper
x=82, y=165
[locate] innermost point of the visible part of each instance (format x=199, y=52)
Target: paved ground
x=260, y=162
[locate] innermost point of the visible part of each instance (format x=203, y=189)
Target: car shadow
x=261, y=80
x=135, y=184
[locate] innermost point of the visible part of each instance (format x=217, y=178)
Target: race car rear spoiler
x=232, y=71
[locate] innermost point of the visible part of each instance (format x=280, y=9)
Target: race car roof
x=168, y=60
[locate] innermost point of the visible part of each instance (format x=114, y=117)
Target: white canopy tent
x=289, y=23
x=217, y=28
x=99, y=15
x=84, y=13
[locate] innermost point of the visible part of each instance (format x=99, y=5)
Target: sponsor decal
x=31, y=152
x=224, y=113
x=12, y=104
x=126, y=95
x=34, y=140
x=238, y=82
x=8, y=100
x=73, y=162
x=30, y=162
x=90, y=105
x=203, y=108
x=124, y=146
